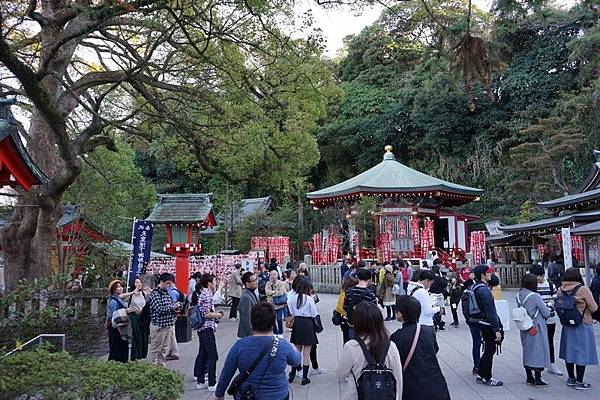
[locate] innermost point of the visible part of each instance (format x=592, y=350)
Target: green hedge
x=40, y=374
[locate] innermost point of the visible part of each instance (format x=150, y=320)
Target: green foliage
x=41, y=374
x=365, y=221
x=25, y=321
x=543, y=155
x=535, y=92
x=112, y=190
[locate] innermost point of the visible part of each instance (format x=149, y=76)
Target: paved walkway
x=454, y=357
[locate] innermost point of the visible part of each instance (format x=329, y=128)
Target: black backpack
x=376, y=381
x=566, y=308
x=470, y=308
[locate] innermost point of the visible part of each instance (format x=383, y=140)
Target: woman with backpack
x=574, y=306
x=371, y=344
x=422, y=376
x=536, y=351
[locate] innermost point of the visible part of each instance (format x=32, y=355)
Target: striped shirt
x=548, y=294
x=356, y=295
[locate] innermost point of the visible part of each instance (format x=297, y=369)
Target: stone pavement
x=454, y=357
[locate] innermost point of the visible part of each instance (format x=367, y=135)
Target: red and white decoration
x=277, y=247
x=327, y=247
x=478, y=246
x=219, y=265
x=427, y=238
x=576, y=246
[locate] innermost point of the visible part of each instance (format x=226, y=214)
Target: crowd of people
x=400, y=365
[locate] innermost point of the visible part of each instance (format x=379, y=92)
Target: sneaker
x=530, y=381
x=305, y=381
x=441, y=328
x=201, y=386
x=494, y=382
x=583, y=386
x=554, y=370
x=212, y=388
x=318, y=371
x=233, y=319
x=171, y=357
x=540, y=382
x=571, y=382
x=479, y=379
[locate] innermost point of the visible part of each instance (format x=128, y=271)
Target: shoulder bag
x=412, y=348
x=239, y=380
x=318, y=324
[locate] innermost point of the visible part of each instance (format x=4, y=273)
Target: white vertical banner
x=567, y=247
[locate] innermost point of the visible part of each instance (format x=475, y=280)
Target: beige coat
x=583, y=298
x=275, y=289
x=234, y=285
x=352, y=362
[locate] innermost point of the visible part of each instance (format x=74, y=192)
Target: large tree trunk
x=27, y=239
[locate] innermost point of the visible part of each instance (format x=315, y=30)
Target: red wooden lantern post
x=185, y=216
x=183, y=241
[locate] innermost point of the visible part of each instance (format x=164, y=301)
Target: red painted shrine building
x=413, y=213
x=16, y=166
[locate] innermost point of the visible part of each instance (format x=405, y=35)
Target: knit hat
x=389, y=268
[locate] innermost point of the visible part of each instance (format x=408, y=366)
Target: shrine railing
x=68, y=304
x=511, y=274
x=325, y=278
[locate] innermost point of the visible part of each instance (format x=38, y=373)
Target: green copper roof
x=181, y=208
x=390, y=176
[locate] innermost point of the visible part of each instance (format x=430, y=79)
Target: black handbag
x=336, y=318
x=318, y=324
x=239, y=380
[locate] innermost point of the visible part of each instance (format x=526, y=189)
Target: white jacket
x=428, y=310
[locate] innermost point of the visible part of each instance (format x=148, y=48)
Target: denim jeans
x=476, y=336
x=207, y=356
x=278, y=328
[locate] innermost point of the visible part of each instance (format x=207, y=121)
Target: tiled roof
x=552, y=224
x=390, y=176
x=248, y=207
x=181, y=208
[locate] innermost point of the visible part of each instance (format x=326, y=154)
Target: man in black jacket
x=491, y=327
